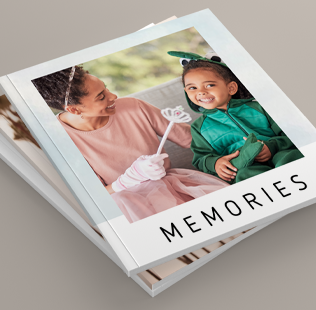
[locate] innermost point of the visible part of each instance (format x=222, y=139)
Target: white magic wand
x=176, y=115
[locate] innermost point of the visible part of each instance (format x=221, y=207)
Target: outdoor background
x=146, y=65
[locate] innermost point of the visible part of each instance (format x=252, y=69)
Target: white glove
x=146, y=167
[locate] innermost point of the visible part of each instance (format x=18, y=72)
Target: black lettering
x=230, y=211
x=298, y=182
x=213, y=217
x=191, y=224
x=253, y=200
x=172, y=233
x=266, y=194
x=280, y=189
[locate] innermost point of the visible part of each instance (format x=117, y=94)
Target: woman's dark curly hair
x=53, y=87
x=222, y=72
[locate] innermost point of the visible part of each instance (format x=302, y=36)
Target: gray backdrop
x=46, y=263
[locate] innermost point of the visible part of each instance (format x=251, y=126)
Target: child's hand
x=264, y=155
x=222, y=165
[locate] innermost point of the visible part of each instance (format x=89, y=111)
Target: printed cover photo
x=231, y=139
x=169, y=138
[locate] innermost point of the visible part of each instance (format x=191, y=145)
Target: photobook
x=21, y=152
x=19, y=149
x=170, y=139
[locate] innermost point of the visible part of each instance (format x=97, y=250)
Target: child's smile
x=206, y=89
x=206, y=100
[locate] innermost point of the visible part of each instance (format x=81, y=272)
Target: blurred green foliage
x=146, y=65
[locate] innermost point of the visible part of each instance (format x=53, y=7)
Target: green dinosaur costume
x=220, y=132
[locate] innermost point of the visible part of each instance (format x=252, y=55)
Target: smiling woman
x=94, y=108
x=118, y=138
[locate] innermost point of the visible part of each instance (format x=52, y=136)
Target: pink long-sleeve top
x=131, y=132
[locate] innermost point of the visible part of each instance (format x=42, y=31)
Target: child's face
x=206, y=89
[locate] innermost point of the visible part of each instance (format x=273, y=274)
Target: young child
x=234, y=138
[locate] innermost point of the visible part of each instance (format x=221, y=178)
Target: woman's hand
x=264, y=155
x=224, y=168
x=150, y=166
x=142, y=169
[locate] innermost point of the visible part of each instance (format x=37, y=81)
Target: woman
x=118, y=137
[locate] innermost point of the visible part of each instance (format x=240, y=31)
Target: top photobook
x=170, y=138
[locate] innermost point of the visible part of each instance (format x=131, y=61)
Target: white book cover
x=17, y=145
x=105, y=147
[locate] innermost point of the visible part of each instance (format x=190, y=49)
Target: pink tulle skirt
x=177, y=187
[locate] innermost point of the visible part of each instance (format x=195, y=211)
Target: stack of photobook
x=165, y=147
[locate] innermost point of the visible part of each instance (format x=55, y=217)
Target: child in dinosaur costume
x=235, y=138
